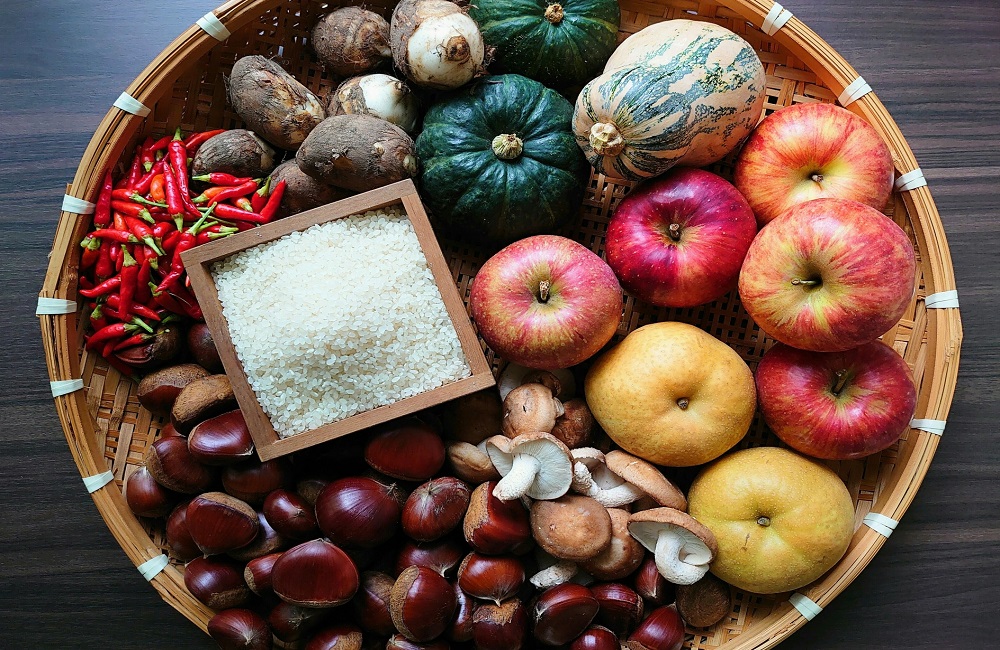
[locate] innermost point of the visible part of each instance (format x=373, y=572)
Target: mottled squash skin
x=476, y=195
x=668, y=103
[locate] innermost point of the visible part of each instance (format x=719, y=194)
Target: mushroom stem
x=618, y=496
x=560, y=572
x=583, y=482
x=671, y=564
x=518, y=479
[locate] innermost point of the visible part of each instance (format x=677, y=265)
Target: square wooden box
x=198, y=263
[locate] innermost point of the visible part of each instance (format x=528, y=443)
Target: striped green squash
x=686, y=97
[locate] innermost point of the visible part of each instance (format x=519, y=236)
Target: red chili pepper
x=144, y=184
x=273, y=201
x=143, y=311
x=129, y=275
x=163, y=228
x=102, y=212
x=175, y=206
x=131, y=209
x=142, y=294
x=243, y=203
x=145, y=233
x=195, y=140
x=97, y=318
x=162, y=143
x=112, y=234
x=104, y=288
x=113, y=331
x=214, y=232
x=119, y=222
x=105, y=266
x=135, y=339
x=226, y=211
x=134, y=172
x=226, y=192
x=177, y=155
x=156, y=189
x=146, y=153
x=170, y=241
x=191, y=307
x=91, y=251
x=85, y=283
x=185, y=242
x=220, y=178
x=131, y=195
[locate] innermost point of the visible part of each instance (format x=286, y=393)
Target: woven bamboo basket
x=108, y=431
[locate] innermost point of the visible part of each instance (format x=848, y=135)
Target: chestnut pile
x=428, y=532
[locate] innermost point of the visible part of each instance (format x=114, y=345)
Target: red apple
x=546, y=302
x=679, y=240
x=828, y=275
x=812, y=151
x=836, y=405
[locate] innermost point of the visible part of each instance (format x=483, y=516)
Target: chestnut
x=435, y=508
x=222, y=440
x=358, y=511
x=495, y=578
x=704, y=603
x=371, y=604
x=201, y=399
x=219, y=522
x=257, y=573
x=443, y=556
x=422, y=604
x=492, y=526
x=561, y=613
x=663, y=629
x=172, y=465
x=240, y=629
x=291, y=622
x=406, y=449
x=651, y=585
x=147, y=498
x=342, y=636
x=500, y=627
x=178, y=534
x=460, y=629
x=596, y=637
x=621, y=607
x=290, y=515
x=168, y=431
x=202, y=347
x=309, y=488
x=217, y=582
x=268, y=540
x=400, y=642
x=314, y=574
x=159, y=389
x=253, y=480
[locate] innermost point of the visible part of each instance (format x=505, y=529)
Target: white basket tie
x=54, y=306
x=97, y=481
x=935, y=427
x=942, y=300
x=775, y=19
x=213, y=26
x=911, y=180
x=854, y=91
x=77, y=206
x=880, y=523
x=152, y=568
x=130, y=104
x=65, y=386
x=806, y=606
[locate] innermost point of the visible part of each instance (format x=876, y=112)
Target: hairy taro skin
x=351, y=41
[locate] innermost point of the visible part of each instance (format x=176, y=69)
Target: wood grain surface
x=64, y=583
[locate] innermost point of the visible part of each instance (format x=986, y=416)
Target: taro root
x=357, y=152
x=202, y=399
x=378, y=95
x=436, y=44
x=164, y=346
x=272, y=102
x=302, y=192
x=351, y=41
x=158, y=390
x=202, y=347
x=237, y=151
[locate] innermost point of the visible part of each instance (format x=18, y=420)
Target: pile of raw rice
x=338, y=319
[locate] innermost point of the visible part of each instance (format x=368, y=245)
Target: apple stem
x=840, y=382
x=674, y=231
x=543, y=290
x=807, y=283
x=817, y=177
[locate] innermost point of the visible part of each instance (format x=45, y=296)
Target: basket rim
x=944, y=329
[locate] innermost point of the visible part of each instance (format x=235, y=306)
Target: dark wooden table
x=65, y=583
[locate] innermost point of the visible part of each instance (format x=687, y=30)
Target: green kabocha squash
x=681, y=93
x=560, y=44
x=500, y=161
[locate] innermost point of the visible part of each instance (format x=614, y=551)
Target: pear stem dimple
x=683, y=403
x=763, y=521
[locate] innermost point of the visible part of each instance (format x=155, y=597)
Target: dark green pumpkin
x=561, y=44
x=477, y=184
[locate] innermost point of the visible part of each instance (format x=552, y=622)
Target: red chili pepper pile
x=131, y=267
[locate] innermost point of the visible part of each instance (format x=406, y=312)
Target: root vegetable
x=378, y=95
x=357, y=152
x=436, y=44
x=272, y=102
x=238, y=152
x=351, y=41
x=302, y=192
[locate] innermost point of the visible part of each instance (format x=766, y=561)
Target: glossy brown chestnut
x=291, y=622
x=435, y=508
x=651, y=585
x=460, y=629
x=290, y=515
x=147, y=498
x=621, y=607
x=179, y=538
x=267, y=541
x=159, y=389
x=491, y=577
x=596, y=637
x=422, y=604
x=202, y=347
x=219, y=522
x=172, y=465
x=253, y=480
x=663, y=629
x=314, y=574
x=309, y=488
x=407, y=449
x=168, y=431
x=500, y=627
x=201, y=399
x=217, y=582
x=443, y=556
x=371, y=603
x=222, y=440
x=561, y=613
x=358, y=511
x=257, y=573
x=400, y=642
x=240, y=629
x=492, y=526
x=342, y=636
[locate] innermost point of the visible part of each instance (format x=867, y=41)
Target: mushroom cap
x=576, y=425
x=530, y=408
x=647, y=478
x=573, y=527
x=471, y=462
x=514, y=375
x=622, y=556
x=694, y=544
x=554, y=472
